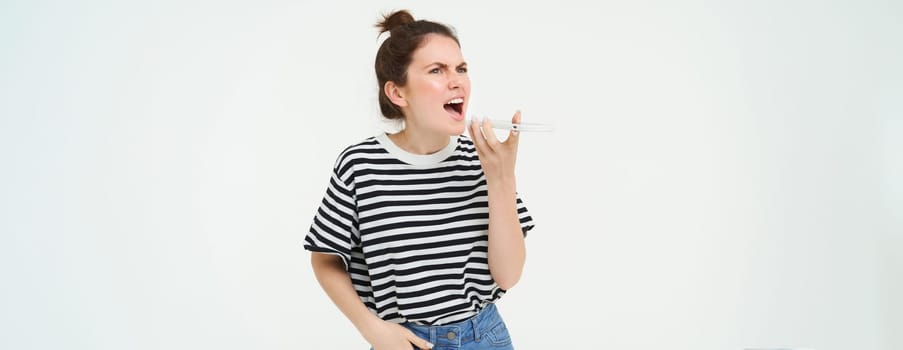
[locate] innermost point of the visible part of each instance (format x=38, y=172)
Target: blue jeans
x=486, y=330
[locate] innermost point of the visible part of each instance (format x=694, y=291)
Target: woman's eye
x=462, y=70
x=434, y=70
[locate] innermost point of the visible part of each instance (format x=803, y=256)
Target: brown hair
x=395, y=53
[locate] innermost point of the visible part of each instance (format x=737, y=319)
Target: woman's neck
x=417, y=141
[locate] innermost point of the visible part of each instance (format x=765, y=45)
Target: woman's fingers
x=477, y=135
x=484, y=137
x=419, y=342
x=491, y=140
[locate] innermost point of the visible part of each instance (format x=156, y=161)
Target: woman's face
x=438, y=88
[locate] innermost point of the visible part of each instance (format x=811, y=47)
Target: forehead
x=438, y=48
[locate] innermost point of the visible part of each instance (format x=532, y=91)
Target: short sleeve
x=334, y=229
x=526, y=220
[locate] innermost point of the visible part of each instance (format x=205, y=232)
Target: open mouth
x=455, y=107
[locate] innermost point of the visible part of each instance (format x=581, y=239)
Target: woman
x=421, y=231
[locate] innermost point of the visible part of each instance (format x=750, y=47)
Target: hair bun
x=394, y=20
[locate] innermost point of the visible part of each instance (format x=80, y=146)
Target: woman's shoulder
x=368, y=143
x=357, y=150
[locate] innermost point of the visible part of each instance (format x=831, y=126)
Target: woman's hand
x=507, y=251
x=497, y=158
x=384, y=335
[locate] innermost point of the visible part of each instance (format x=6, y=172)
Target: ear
x=395, y=94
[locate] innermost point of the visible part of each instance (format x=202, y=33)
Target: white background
x=724, y=175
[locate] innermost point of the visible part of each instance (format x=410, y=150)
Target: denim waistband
x=453, y=334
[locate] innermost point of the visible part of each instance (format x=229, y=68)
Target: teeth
x=457, y=100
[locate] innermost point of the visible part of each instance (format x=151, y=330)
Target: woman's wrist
x=502, y=184
x=369, y=324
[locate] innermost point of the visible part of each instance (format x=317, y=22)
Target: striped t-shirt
x=411, y=229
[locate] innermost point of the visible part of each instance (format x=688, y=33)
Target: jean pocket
x=498, y=335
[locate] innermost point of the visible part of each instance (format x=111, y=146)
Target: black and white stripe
x=412, y=230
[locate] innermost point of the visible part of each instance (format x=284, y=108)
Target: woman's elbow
x=508, y=282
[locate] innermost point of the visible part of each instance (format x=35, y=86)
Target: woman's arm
x=507, y=251
x=382, y=335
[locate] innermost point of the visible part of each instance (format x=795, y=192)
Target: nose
x=454, y=81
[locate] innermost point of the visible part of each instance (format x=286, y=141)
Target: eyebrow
x=443, y=65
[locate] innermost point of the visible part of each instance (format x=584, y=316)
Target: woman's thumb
x=514, y=134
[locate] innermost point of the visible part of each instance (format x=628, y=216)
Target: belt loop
x=433, y=338
x=476, y=328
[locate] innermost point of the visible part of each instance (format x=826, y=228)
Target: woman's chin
x=457, y=129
